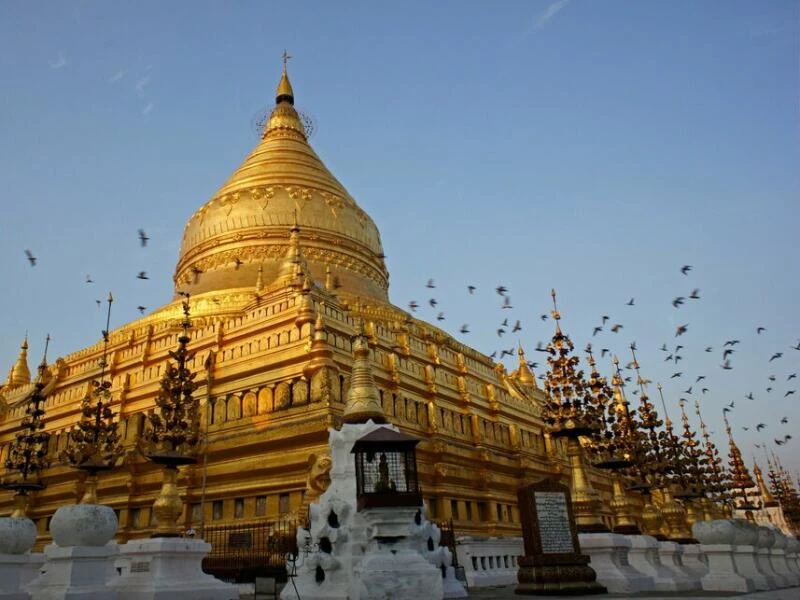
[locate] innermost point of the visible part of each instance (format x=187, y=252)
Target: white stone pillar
x=694, y=561
x=76, y=572
x=643, y=556
x=671, y=554
x=777, y=559
x=722, y=575
x=609, y=559
x=17, y=565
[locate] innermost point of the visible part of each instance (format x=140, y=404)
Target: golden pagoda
x=289, y=294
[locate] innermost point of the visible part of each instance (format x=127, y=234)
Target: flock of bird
x=143, y=239
x=673, y=353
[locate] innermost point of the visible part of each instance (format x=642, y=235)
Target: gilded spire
x=525, y=375
x=363, y=400
x=20, y=374
x=284, y=92
x=741, y=480
x=716, y=476
x=766, y=496
x=294, y=265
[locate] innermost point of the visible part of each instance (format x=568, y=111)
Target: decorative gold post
x=741, y=480
x=27, y=455
x=572, y=412
x=174, y=434
x=717, y=502
x=94, y=444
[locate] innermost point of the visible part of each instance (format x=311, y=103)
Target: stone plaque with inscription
x=553, y=563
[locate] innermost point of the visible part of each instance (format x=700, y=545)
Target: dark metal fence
x=242, y=552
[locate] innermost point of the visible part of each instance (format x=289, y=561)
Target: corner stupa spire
x=20, y=374
x=363, y=400
x=525, y=375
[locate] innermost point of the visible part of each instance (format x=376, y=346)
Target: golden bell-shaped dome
x=282, y=184
x=20, y=374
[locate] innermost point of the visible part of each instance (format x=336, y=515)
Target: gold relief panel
x=282, y=396
x=249, y=404
x=265, y=400
x=300, y=392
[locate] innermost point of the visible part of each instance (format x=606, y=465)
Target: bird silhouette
x=238, y=262
x=31, y=258
x=796, y=347
x=142, y=275
x=143, y=239
x=500, y=332
x=440, y=316
x=98, y=303
x=141, y=309
x=517, y=327
x=674, y=375
x=685, y=269
x=504, y=323
x=789, y=393
x=760, y=330
x=731, y=343
x=750, y=396
x=771, y=377
x=433, y=302
x=733, y=402
x=792, y=376
x=784, y=420
x=604, y=351
x=688, y=390
x=760, y=426
x=471, y=289
x=726, y=365
x=681, y=330
x=413, y=306
x=630, y=302
x=507, y=302
x=89, y=279
x=699, y=378
x=501, y=290
x=596, y=331
x=464, y=328
x=709, y=348
x=543, y=317
x=769, y=389
x=727, y=352
x=605, y=318
x=746, y=428
x=616, y=328
x=774, y=356
x=704, y=390
x=430, y=284
x=726, y=410
x=678, y=301
x=695, y=295
x=663, y=348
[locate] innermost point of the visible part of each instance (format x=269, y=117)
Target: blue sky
x=594, y=147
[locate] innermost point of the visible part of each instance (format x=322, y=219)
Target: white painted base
x=694, y=561
x=168, y=569
x=745, y=559
x=400, y=575
x=722, y=575
x=644, y=557
x=489, y=561
x=765, y=566
x=609, y=559
x=452, y=587
x=16, y=570
x=783, y=577
x=75, y=572
x=671, y=554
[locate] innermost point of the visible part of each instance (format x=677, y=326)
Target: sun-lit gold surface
x=274, y=363
x=20, y=374
x=168, y=505
x=766, y=496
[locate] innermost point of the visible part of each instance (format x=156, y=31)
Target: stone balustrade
x=489, y=561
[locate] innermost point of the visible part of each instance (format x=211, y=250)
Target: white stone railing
x=489, y=561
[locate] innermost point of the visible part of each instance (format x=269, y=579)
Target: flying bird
x=704, y=390
x=726, y=365
x=792, y=376
x=630, y=302
x=543, y=317
x=507, y=302
x=413, y=306
x=750, y=396
x=789, y=393
x=142, y=275
x=695, y=295
x=604, y=351
x=141, y=309
x=699, y=378
x=678, y=301
x=433, y=302
x=500, y=332
x=471, y=289
x=430, y=284
x=685, y=269
x=517, y=327
x=709, y=348
x=143, y=239
x=760, y=330
x=681, y=330
x=440, y=316
x=760, y=426
x=31, y=258
x=688, y=391
x=89, y=279
x=501, y=290
x=784, y=420
x=774, y=356
x=238, y=262
x=464, y=328
x=596, y=331
x=727, y=352
x=605, y=318
x=616, y=328
x=663, y=348
x=674, y=375
x=731, y=343
x=796, y=347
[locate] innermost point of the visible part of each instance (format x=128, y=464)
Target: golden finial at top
x=284, y=92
